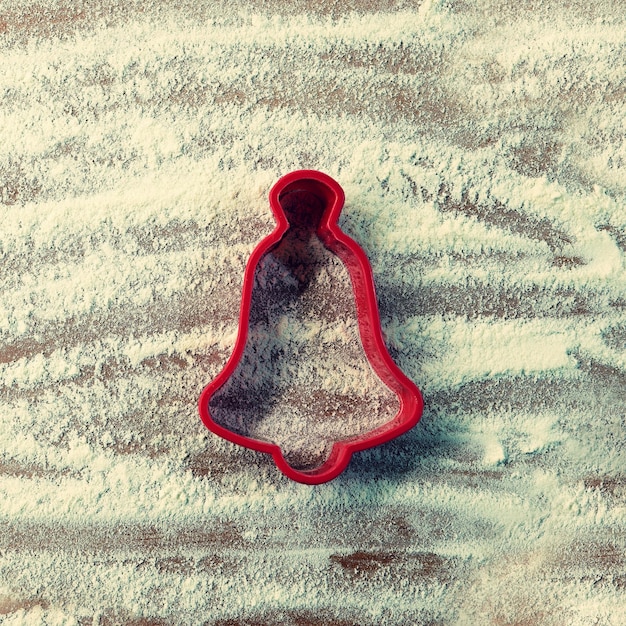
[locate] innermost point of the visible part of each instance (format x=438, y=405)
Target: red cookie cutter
x=357, y=264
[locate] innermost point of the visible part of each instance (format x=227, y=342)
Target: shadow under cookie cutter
x=331, y=195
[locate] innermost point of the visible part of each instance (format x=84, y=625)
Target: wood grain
x=120, y=508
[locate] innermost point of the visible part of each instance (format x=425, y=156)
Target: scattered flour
x=481, y=148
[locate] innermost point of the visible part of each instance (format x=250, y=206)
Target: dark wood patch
x=122, y=537
x=426, y=565
x=502, y=216
x=16, y=185
x=605, y=556
x=536, y=157
x=513, y=11
x=408, y=59
x=222, y=458
x=615, y=337
x=295, y=617
x=364, y=561
x=125, y=619
x=12, y=605
x=567, y=262
x=31, y=470
x=609, y=485
x=477, y=299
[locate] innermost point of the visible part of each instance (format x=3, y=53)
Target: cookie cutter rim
x=360, y=272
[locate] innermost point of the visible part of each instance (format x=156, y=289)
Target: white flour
x=481, y=148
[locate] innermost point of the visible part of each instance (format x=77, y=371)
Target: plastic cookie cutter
x=324, y=224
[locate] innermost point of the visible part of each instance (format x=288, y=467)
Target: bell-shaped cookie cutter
x=355, y=260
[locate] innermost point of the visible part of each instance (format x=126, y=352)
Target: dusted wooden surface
x=430, y=529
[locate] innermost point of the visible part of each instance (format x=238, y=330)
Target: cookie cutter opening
x=306, y=242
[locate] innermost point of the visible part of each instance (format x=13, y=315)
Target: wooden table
x=479, y=146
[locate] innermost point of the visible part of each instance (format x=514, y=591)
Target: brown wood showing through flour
x=481, y=146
